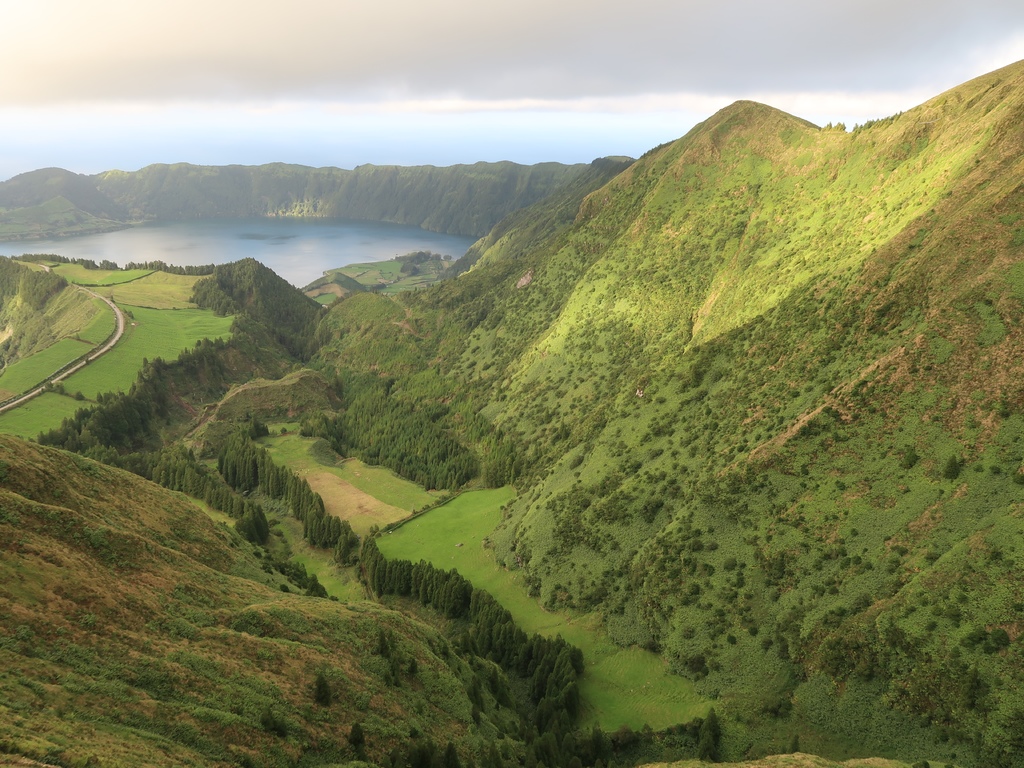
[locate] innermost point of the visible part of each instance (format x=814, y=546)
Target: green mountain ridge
x=762, y=396
x=759, y=395
x=461, y=199
x=174, y=645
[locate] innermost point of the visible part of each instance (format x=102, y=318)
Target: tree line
x=107, y=264
x=548, y=670
x=381, y=429
x=34, y=288
x=549, y=667
x=249, y=288
x=248, y=467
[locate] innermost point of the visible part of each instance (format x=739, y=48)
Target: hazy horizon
x=112, y=85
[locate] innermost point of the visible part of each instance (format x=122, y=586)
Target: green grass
x=621, y=685
x=362, y=494
x=26, y=374
x=383, y=484
x=341, y=583
x=76, y=273
x=150, y=333
x=40, y=414
x=389, y=274
x=286, y=542
x=101, y=326
x=158, y=290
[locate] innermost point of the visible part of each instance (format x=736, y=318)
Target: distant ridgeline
x=459, y=200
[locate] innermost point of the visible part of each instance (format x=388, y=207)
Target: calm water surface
x=299, y=250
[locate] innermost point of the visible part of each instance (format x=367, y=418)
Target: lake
x=299, y=250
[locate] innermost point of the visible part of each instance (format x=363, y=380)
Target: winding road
x=107, y=346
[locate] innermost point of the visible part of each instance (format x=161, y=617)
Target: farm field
x=38, y=415
x=27, y=373
x=157, y=290
x=388, y=275
x=76, y=273
x=372, y=273
x=150, y=333
x=362, y=494
x=620, y=685
x=101, y=326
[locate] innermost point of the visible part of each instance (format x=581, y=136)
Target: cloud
x=119, y=83
x=548, y=50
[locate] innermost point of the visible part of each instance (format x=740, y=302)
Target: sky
x=122, y=83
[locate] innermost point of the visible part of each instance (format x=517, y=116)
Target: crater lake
x=299, y=250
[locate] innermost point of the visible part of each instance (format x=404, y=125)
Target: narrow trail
x=59, y=377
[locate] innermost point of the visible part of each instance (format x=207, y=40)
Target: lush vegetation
x=247, y=467
x=413, y=270
x=47, y=324
x=455, y=535
x=248, y=288
x=737, y=396
x=758, y=393
x=180, y=643
x=150, y=334
x=461, y=199
x=402, y=437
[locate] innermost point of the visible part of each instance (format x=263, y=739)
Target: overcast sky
x=105, y=84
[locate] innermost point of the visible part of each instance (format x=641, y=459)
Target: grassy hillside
x=762, y=395
x=622, y=686
x=44, y=324
x=52, y=201
x=151, y=333
x=176, y=644
x=758, y=393
x=413, y=270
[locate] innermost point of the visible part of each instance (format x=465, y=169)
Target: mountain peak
x=755, y=116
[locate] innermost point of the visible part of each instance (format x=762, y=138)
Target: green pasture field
x=157, y=290
x=40, y=414
x=214, y=514
x=101, y=326
x=26, y=374
x=372, y=273
x=76, y=273
x=150, y=333
x=389, y=274
x=362, y=494
x=620, y=686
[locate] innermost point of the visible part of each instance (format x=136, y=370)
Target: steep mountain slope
x=765, y=399
x=135, y=631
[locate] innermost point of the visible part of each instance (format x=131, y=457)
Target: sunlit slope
x=766, y=395
x=134, y=630
x=776, y=339
x=44, y=324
